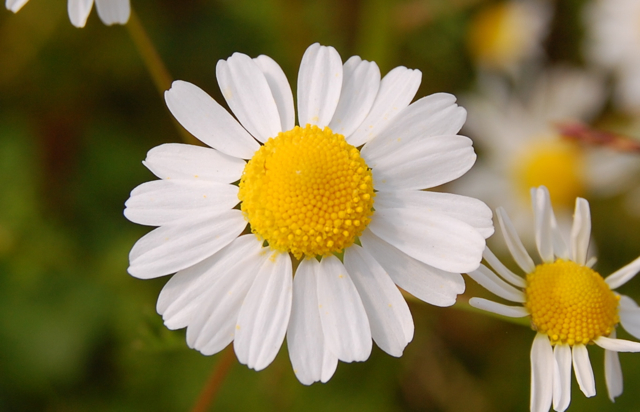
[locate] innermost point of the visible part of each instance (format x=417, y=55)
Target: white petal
x=490, y=281
x=433, y=115
x=15, y=5
x=562, y=377
x=280, y=89
x=542, y=368
x=344, y=320
x=189, y=162
x=541, y=203
x=213, y=327
x=548, y=235
x=319, y=85
x=310, y=358
x=264, y=315
x=245, y=88
x=583, y=370
x=514, y=244
x=467, y=209
x=623, y=275
x=188, y=290
x=204, y=118
x=502, y=270
x=613, y=372
x=617, y=345
x=397, y=89
x=425, y=282
x=113, y=11
x=499, y=308
x=560, y=247
x=360, y=85
x=422, y=163
x=162, y=202
x=580, y=232
x=433, y=238
x=171, y=248
x=629, y=315
x=388, y=313
x=79, y=11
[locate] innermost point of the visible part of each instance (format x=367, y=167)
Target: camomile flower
x=569, y=304
x=334, y=207
x=503, y=36
x=522, y=147
x=110, y=11
x=612, y=42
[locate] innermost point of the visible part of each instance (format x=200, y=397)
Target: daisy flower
x=350, y=223
x=522, y=148
x=502, y=36
x=569, y=304
x=110, y=11
x=613, y=43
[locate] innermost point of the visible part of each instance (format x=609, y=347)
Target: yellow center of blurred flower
x=554, y=163
x=495, y=36
x=570, y=303
x=307, y=192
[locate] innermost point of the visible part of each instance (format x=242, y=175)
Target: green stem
x=156, y=68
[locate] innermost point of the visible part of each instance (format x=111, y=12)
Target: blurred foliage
x=78, y=113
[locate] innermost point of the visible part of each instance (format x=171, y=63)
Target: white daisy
x=110, y=11
x=308, y=194
x=503, y=36
x=522, y=148
x=570, y=305
x=613, y=43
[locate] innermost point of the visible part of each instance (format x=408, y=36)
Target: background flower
x=505, y=36
x=517, y=131
x=613, y=44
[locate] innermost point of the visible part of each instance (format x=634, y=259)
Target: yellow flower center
x=570, y=303
x=495, y=36
x=554, y=163
x=307, y=192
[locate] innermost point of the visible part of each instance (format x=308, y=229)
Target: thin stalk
x=212, y=386
x=156, y=68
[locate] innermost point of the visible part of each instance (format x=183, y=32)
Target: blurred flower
x=569, y=304
x=503, y=36
x=307, y=193
x=614, y=167
x=613, y=42
x=522, y=148
x=110, y=11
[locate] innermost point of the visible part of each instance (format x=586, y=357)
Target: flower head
x=613, y=43
x=503, y=36
x=110, y=11
x=523, y=149
x=340, y=194
x=569, y=304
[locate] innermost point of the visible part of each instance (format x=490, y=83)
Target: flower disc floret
x=570, y=303
x=307, y=192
